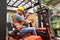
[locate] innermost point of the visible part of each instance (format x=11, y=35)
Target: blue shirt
x=19, y=18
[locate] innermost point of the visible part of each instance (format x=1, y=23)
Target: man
x=18, y=20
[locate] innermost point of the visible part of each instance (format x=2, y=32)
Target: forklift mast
x=43, y=15
x=43, y=19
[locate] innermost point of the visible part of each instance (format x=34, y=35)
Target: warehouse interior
x=49, y=9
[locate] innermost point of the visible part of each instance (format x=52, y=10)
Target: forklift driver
x=18, y=20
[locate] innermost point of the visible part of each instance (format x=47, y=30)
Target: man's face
x=20, y=12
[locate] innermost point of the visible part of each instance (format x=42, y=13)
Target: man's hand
x=28, y=15
x=31, y=21
x=28, y=21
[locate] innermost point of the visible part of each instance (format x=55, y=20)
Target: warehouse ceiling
x=27, y=4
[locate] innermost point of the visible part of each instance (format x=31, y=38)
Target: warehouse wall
x=9, y=14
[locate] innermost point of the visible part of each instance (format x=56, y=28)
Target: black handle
x=31, y=25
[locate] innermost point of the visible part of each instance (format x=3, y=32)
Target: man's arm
x=23, y=20
x=27, y=16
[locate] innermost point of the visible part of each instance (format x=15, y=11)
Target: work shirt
x=19, y=18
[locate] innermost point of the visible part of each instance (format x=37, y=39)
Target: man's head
x=20, y=10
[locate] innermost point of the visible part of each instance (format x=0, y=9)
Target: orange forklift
x=43, y=29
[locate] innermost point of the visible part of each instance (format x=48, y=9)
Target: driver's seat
x=12, y=31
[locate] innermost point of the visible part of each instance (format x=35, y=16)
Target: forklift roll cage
x=43, y=17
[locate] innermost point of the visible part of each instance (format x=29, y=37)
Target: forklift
x=43, y=29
